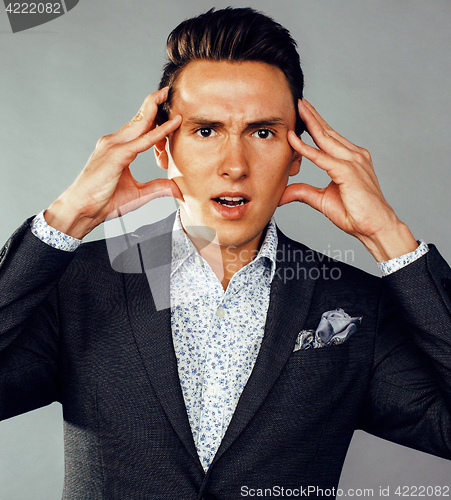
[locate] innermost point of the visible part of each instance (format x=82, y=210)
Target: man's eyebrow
x=201, y=121
x=267, y=122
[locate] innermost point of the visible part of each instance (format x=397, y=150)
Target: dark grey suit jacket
x=77, y=329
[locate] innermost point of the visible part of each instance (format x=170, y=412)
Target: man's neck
x=225, y=261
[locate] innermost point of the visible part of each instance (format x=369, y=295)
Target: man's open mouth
x=229, y=201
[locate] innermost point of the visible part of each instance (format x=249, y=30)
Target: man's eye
x=206, y=132
x=263, y=133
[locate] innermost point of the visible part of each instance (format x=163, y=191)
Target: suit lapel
x=288, y=308
x=147, y=293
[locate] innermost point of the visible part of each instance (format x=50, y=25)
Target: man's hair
x=233, y=35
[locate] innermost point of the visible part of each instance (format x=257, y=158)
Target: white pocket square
x=335, y=327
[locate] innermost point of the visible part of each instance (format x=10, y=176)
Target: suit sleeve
x=29, y=273
x=409, y=396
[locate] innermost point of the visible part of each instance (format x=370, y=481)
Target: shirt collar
x=268, y=250
x=183, y=247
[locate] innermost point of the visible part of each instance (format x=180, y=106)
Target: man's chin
x=224, y=233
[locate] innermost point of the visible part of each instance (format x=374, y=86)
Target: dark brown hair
x=232, y=35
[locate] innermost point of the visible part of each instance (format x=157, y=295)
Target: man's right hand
x=106, y=183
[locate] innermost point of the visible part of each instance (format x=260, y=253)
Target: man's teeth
x=229, y=198
x=232, y=201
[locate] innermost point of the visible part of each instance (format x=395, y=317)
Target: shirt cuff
x=52, y=236
x=392, y=265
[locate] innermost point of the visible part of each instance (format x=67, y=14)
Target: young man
x=205, y=356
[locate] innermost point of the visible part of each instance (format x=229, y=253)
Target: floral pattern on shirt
x=392, y=265
x=52, y=236
x=217, y=334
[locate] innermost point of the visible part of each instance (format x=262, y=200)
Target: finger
x=144, y=120
x=149, y=139
x=158, y=188
x=350, y=145
x=148, y=191
x=320, y=158
x=319, y=118
x=329, y=129
x=324, y=136
x=357, y=173
x=304, y=193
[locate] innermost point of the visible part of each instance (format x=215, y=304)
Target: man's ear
x=161, y=155
x=295, y=163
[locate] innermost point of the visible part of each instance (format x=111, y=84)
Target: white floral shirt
x=217, y=334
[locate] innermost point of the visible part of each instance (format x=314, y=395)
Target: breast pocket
x=317, y=370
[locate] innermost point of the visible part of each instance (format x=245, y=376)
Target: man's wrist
x=62, y=216
x=393, y=265
x=391, y=243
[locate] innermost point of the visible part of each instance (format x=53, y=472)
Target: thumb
x=310, y=195
x=159, y=188
x=148, y=191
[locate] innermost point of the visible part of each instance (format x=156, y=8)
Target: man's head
x=233, y=35
x=230, y=157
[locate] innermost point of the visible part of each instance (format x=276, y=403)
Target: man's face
x=232, y=143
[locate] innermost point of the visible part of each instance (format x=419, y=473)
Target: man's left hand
x=353, y=200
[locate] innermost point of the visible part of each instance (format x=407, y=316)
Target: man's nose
x=234, y=162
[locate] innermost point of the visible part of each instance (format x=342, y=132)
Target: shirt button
x=213, y=390
x=198, y=260
x=220, y=312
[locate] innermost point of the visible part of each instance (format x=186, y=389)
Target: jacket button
x=208, y=496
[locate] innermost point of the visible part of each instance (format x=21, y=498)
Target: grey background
x=378, y=71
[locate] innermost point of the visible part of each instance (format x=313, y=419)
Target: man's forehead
x=206, y=74
x=206, y=88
